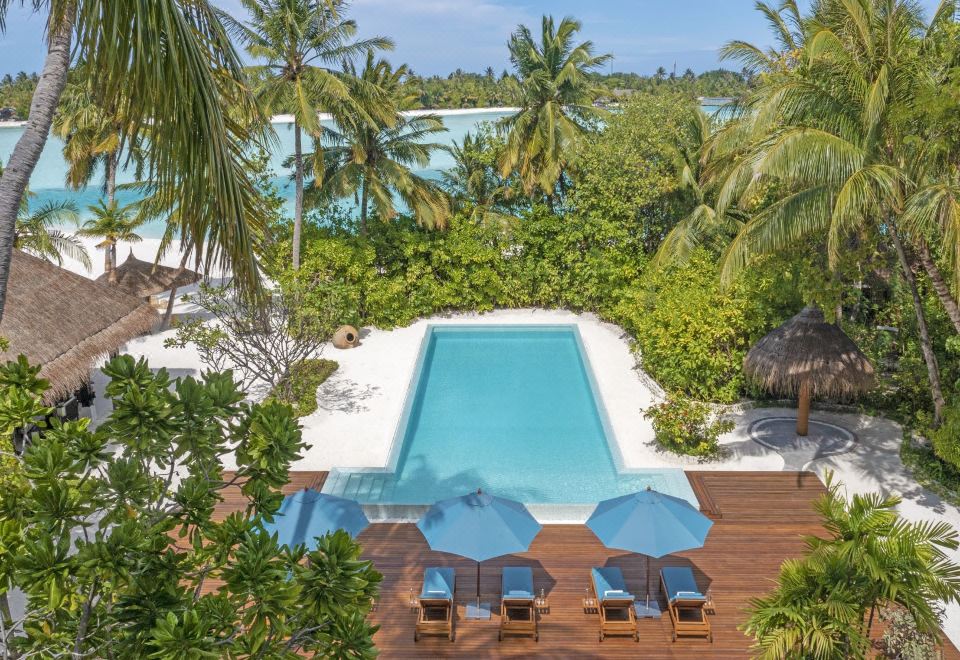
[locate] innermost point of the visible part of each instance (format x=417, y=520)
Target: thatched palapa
x=807, y=357
x=143, y=279
x=66, y=322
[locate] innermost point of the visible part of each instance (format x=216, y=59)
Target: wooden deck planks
x=764, y=517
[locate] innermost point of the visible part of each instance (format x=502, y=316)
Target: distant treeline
x=473, y=90
x=15, y=94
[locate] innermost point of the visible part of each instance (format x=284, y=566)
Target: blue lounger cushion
x=438, y=584
x=517, y=582
x=680, y=584
x=609, y=584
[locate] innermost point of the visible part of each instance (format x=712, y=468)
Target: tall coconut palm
x=373, y=162
x=555, y=98
x=830, y=133
x=114, y=224
x=299, y=41
x=172, y=64
x=92, y=134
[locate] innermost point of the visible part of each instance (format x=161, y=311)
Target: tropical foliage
x=824, y=605
x=555, y=98
x=184, y=70
x=298, y=42
x=112, y=223
x=371, y=159
x=687, y=427
x=118, y=559
x=39, y=231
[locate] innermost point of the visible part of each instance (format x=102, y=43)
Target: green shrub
x=687, y=427
x=692, y=333
x=946, y=439
x=300, y=389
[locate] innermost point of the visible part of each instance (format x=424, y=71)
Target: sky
x=440, y=36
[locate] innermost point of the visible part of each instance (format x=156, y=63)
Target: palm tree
x=786, y=24
x=555, y=97
x=113, y=224
x=373, y=162
x=172, y=64
x=700, y=184
x=299, y=40
x=92, y=134
x=38, y=231
x=829, y=132
x=824, y=603
x=473, y=183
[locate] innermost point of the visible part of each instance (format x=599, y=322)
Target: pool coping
x=544, y=512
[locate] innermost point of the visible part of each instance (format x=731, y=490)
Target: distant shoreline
x=445, y=112
x=288, y=119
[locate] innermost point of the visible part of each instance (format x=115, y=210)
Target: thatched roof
x=142, y=278
x=65, y=321
x=807, y=349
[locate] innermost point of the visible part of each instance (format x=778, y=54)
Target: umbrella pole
x=649, y=559
x=478, y=586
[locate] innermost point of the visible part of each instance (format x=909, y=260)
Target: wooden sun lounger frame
x=687, y=616
x=616, y=626
x=435, y=616
x=518, y=625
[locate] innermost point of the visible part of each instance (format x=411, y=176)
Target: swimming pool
x=514, y=410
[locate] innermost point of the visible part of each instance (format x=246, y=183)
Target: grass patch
x=300, y=389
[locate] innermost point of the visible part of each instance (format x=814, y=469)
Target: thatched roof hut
x=807, y=357
x=144, y=279
x=66, y=322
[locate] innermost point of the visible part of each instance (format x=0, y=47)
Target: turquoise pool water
x=510, y=409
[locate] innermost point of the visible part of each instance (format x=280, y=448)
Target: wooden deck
x=759, y=520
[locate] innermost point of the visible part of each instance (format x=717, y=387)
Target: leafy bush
x=692, y=333
x=299, y=389
x=687, y=427
x=902, y=641
x=946, y=439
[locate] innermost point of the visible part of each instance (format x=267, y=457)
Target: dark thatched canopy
x=65, y=321
x=806, y=349
x=142, y=278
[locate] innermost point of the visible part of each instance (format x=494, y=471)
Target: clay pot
x=346, y=336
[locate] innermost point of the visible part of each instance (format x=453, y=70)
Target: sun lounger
x=685, y=602
x=518, y=612
x=614, y=603
x=435, y=614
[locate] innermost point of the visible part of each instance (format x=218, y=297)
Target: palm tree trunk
x=298, y=200
x=363, y=206
x=27, y=152
x=168, y=314
x=926, y=346
x=939, y=284
x=110, y=175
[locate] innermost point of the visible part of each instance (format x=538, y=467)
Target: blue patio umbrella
x=649, y=523
x=479, y=526
x=307, y=514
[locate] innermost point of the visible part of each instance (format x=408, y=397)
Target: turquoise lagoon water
x=510, y=409
x=47, y=181
x=48, y=178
